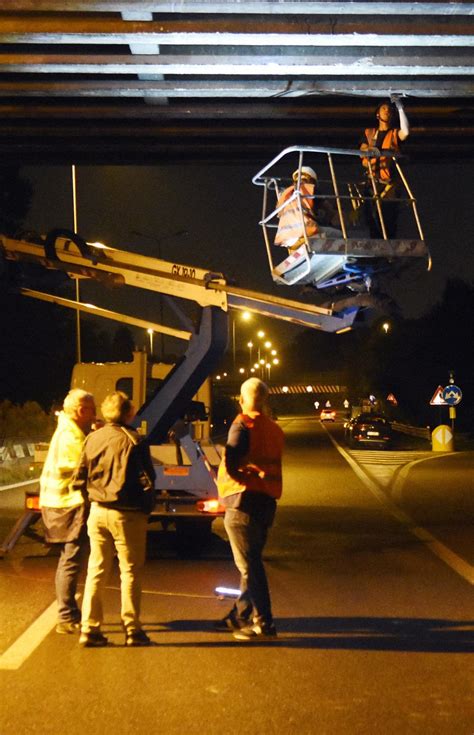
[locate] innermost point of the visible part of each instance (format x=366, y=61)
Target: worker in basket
x=386, y=136
x=296, y=216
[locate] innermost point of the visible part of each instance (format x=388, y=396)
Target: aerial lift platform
x=342, y=257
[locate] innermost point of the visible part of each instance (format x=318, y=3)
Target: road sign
x=438, y=399
x=442, y=439
x=391, y=399
x=452, y=395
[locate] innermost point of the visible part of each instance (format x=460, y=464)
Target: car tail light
x=209, y=506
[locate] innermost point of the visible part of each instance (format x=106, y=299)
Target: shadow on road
x=425, y=635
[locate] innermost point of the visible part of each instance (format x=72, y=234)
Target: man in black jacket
x=117, y=474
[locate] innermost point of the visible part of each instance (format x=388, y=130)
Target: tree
x=15, y=199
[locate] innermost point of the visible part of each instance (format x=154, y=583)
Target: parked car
x=327, y=414
x=368, y=428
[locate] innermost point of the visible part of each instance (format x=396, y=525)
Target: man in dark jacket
x=117, y=474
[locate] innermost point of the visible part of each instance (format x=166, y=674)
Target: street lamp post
x=250, y=346
x=78, y=313
x=246, y=316
x=150, y=334
x=260, y=335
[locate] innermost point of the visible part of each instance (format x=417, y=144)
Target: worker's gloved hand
x=395, y=100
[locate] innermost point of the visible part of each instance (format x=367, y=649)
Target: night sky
x=220, y=207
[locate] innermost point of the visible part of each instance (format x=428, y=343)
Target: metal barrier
x=423, y=432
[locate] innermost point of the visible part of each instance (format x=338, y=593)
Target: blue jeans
x=67, y=574
x=247, y=536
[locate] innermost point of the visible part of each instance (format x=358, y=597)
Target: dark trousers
x=67, y=574
x=247, y=536
x=390, y=210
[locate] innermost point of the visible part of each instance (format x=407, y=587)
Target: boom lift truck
x=186, y=494
x=336, y=260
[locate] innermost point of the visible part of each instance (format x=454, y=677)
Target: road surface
x=371, y=566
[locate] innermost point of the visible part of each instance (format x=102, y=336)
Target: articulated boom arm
x=71, y=254
x=67, y=252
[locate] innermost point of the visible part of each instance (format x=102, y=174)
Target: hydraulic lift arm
x=67, y=252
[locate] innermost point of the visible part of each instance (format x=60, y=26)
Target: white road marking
x=384, y=465
x=24, y=646
x=449, y=557
x=29, y=641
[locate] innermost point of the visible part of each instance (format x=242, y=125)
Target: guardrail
x=16, y=450
x=423, y=432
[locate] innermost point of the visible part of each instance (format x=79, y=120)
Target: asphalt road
x=371, y=570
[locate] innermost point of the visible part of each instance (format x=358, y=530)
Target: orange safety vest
x=260, y=469
x=382, y=166
x=290, y=226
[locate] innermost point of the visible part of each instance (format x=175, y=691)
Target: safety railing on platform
x=345, y=200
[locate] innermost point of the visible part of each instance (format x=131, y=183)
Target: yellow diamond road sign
x=443, y=434
x=442, y=439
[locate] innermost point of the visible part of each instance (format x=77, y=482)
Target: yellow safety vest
x=62, y=459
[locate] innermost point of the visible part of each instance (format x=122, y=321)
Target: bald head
x=253, y=395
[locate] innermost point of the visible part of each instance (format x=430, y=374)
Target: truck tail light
x=209, y=506
x=32, y=502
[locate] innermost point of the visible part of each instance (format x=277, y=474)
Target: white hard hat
x=305, y=170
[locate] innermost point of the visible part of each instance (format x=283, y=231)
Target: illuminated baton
x=227, y=593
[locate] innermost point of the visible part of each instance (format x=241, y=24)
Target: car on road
x=368, y=429
x=327, y=414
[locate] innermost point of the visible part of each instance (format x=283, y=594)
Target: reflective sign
x=452, y=395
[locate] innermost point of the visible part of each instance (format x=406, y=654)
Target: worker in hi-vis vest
x=296, y=216
x=249, y=481
x=386, y=136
